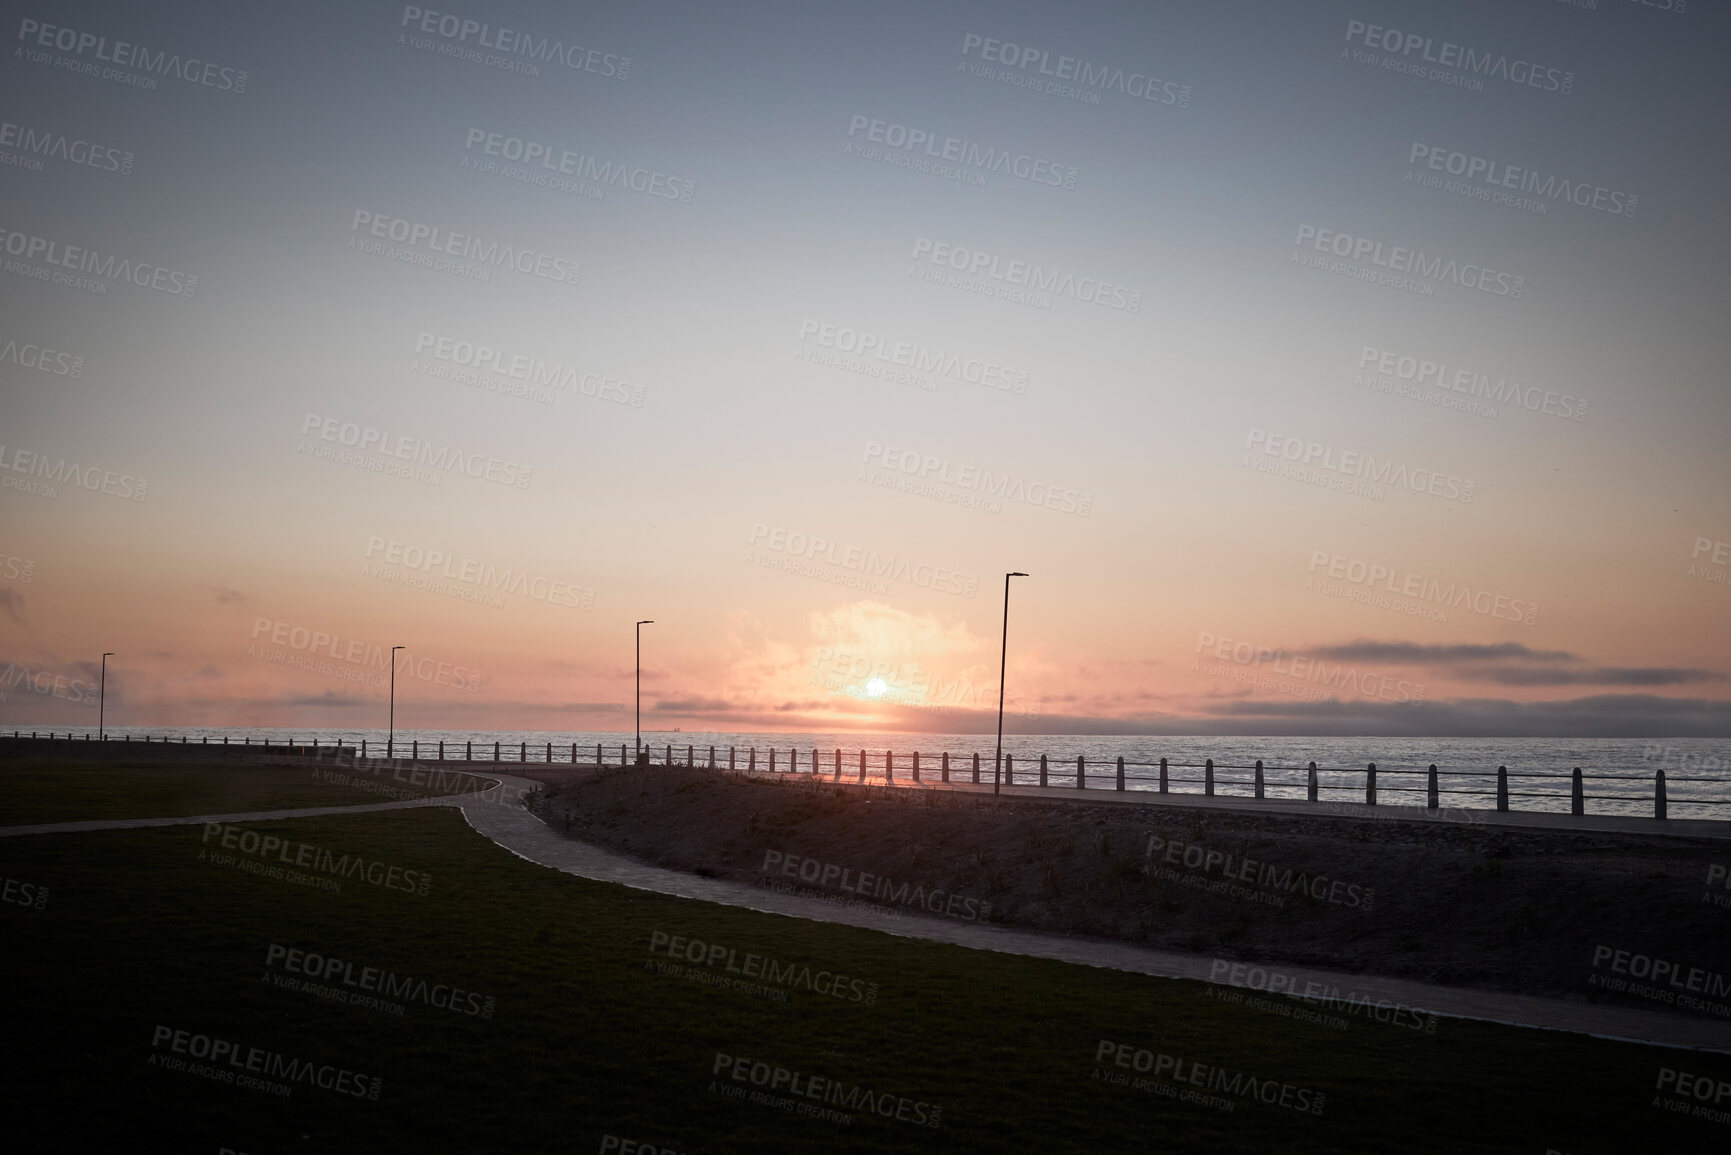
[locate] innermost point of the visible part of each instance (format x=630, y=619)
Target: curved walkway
x=498, y=815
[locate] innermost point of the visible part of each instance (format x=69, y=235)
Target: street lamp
x=391, y=738
x=1003, y=661
x=102, y=695
x=638, y=753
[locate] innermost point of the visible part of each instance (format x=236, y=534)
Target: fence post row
x=1209, y=785
x=1121, y=773
x=1370, y=785
x=1042, y=770
x=1659, y=795
x=862, y=765
x=916, y=765
x=976, y=769
x=945, y=770
x=1313, y=781
x=1577, y=796
x=1009, y=770
x=889, y=767
x=1259, y=778
x=1081, y=774
x=1431, y=799
x=1502, y=788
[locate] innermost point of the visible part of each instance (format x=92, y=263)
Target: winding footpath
x=499, y=815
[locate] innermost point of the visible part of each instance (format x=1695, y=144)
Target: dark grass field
x=55, y=790
x=586, y=1039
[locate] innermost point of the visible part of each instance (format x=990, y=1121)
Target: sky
x=1337, y=367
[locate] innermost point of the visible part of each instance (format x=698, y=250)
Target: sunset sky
x=1329, y=367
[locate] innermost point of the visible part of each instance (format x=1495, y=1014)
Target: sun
x=875, y=688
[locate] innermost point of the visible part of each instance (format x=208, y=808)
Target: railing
x=1117, y=775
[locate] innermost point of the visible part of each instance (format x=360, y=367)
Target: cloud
x=1416, y=654
x=229, y=596
x=328, y=698
x=890, y=635
x=1596, y=716
x=1598, y=676
x=694, y=706
x=488, y=714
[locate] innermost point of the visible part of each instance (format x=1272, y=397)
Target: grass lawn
x=49, y=790
x=587, y=1039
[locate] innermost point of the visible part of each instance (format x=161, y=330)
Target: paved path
x=498, y=815
x=252, y=816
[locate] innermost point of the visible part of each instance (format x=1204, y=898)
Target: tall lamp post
x=1003, y=661
x=391, y=738
x=102, y=695
x=638, y=753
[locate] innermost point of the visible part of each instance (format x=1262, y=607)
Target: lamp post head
x=1015, y=575
x=647, y=622
x=108, y=653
